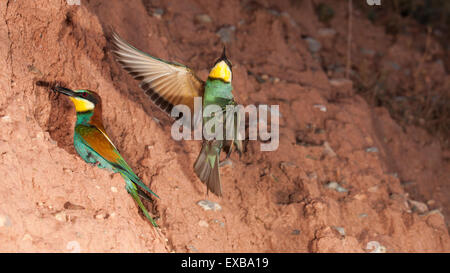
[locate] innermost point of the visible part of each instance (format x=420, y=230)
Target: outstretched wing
x=166, y=83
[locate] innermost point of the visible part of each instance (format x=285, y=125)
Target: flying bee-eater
x=94, y=146
x=169, y=84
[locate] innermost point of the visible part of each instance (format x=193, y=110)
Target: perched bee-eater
x=169, y=84
x=94, y=146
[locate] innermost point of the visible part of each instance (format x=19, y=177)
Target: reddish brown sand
x=52, y=201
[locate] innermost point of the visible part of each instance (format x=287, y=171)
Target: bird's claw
x=226, y=162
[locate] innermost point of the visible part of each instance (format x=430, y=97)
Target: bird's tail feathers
x=134, y=192
x=207, y=174
x=128, y=174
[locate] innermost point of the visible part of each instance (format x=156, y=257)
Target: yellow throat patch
x=221, y=71
x=82, y=105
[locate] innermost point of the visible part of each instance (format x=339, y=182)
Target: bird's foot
x=226, y=162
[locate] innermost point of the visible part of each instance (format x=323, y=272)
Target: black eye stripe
x=88, y=96
x=229, y=64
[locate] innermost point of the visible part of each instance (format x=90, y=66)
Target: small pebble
x=394, y=175
x=6, y=119
x=375, y=247
x=203, y=223
x=101, y=216
x=335, y=186
x=418, y=206
x=74, y=247
x=360, y=196
x=372, y=150
x=295, y=232
x=209, y=205
x=284, y=164
x=313, y=45
x=4, y=221
x=40, y=136
x=341, y=230
x=328, y=150
x=192, y=248
x=221, y=224
x=61, y=217
x=113, y=189
x=158, y=13
x=203, y=18
x=312, y=175
x=321, y=107
x=332, y=185
x=326, y=32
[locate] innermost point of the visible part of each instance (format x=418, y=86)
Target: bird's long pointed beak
x=224, y=54
x=65, y=91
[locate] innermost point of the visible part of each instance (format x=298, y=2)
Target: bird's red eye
x=84, y=95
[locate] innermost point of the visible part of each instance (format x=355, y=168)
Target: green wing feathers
x=95, y=146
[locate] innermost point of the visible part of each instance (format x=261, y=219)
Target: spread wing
x=166, y=83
